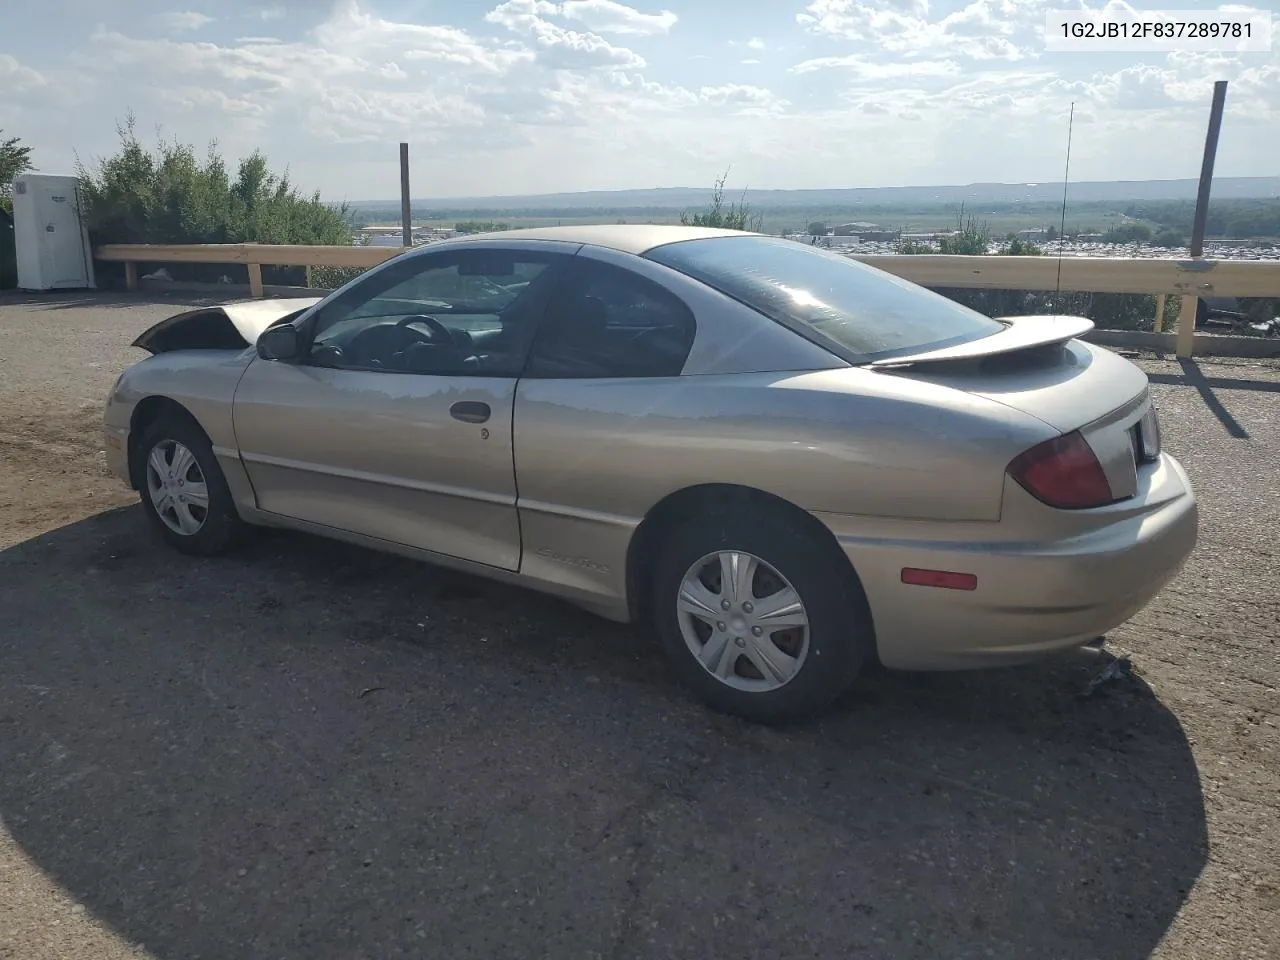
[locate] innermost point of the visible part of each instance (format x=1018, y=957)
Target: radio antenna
x=1066, y=177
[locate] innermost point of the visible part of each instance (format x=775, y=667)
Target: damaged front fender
x=231, y=326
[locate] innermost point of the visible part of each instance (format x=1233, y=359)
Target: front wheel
x=758, y=616
x=183, y=490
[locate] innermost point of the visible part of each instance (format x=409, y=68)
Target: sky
x=537, y=96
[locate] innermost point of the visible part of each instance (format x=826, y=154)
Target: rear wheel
x=183, y=490
x=757, y=616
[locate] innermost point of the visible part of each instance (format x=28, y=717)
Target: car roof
x=634, y=238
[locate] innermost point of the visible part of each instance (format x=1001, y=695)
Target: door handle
x=470, y=411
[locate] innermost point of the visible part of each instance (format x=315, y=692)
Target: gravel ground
x=307, y=750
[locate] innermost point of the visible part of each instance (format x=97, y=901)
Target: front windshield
x=858, y=312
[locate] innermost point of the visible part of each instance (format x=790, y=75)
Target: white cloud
x=557, y=46
x=981, y=30
x=189, y=98
x=351, y=29
x=15, y=78
x=747, y=99
x=276, y=12
x=1142, y=88
x=185, y=20
x=861, y=67
x=355, y=82
x=301, y=89
x=529, y=95
x=608, y=16
x=641, y=94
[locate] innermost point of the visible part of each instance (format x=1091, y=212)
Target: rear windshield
x=859, y=313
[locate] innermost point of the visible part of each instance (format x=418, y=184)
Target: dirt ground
x=306, y=750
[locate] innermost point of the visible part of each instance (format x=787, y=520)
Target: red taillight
x=1063, y=472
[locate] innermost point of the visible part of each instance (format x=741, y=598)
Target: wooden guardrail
x=1188, y=279
x=253, y=255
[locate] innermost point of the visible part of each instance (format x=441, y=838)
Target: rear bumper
x=1033, y=598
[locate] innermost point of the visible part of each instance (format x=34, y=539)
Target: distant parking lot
x=308, y=750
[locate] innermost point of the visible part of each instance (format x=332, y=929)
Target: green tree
x=14, y=159
x=736, y=216
x=971, y=238
x=479, y=226
x=1020, y=248
x=1129, y=233
x=913, y=248
x=1169, y=237
x=817, y=229
x=170, y=195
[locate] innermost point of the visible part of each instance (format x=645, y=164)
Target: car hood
x=229, y=326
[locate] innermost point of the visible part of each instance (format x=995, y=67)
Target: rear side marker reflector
x=939, y=578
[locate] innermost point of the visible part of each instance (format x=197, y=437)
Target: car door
x=395, y=420
x=600, y=405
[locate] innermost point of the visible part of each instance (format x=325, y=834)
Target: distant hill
x=1117, y=191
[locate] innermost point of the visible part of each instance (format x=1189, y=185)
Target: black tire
x=222, y=527
x=840, y=636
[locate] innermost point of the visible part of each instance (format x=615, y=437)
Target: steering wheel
x=439, y=332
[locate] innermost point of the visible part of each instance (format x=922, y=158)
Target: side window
x=604, y=321
x=467, y=313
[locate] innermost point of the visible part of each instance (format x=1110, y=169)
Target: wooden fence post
x=1187, y=326
x=255, y=279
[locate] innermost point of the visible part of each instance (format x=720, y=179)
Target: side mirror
x=279, y=343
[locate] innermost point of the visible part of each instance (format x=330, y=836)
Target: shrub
x=169, y=195
x=1169, y=237
x=737, y=216
x=330, y=278
x=1021, y=248
x=479, y=226
x=912, y=247
x=971, y=239
x=1129, y=233
x=14, y=159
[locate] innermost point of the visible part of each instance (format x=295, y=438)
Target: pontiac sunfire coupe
x=784, y=461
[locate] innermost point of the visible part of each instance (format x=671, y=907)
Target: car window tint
x=859, y=313
x=459, y=314
x=604, y=321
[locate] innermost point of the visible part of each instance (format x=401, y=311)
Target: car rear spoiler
x=1020, y=333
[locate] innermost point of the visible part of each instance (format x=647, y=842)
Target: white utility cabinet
x=52, y=240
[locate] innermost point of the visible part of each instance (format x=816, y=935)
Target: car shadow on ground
x=1192, y=375
x=308, y=750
